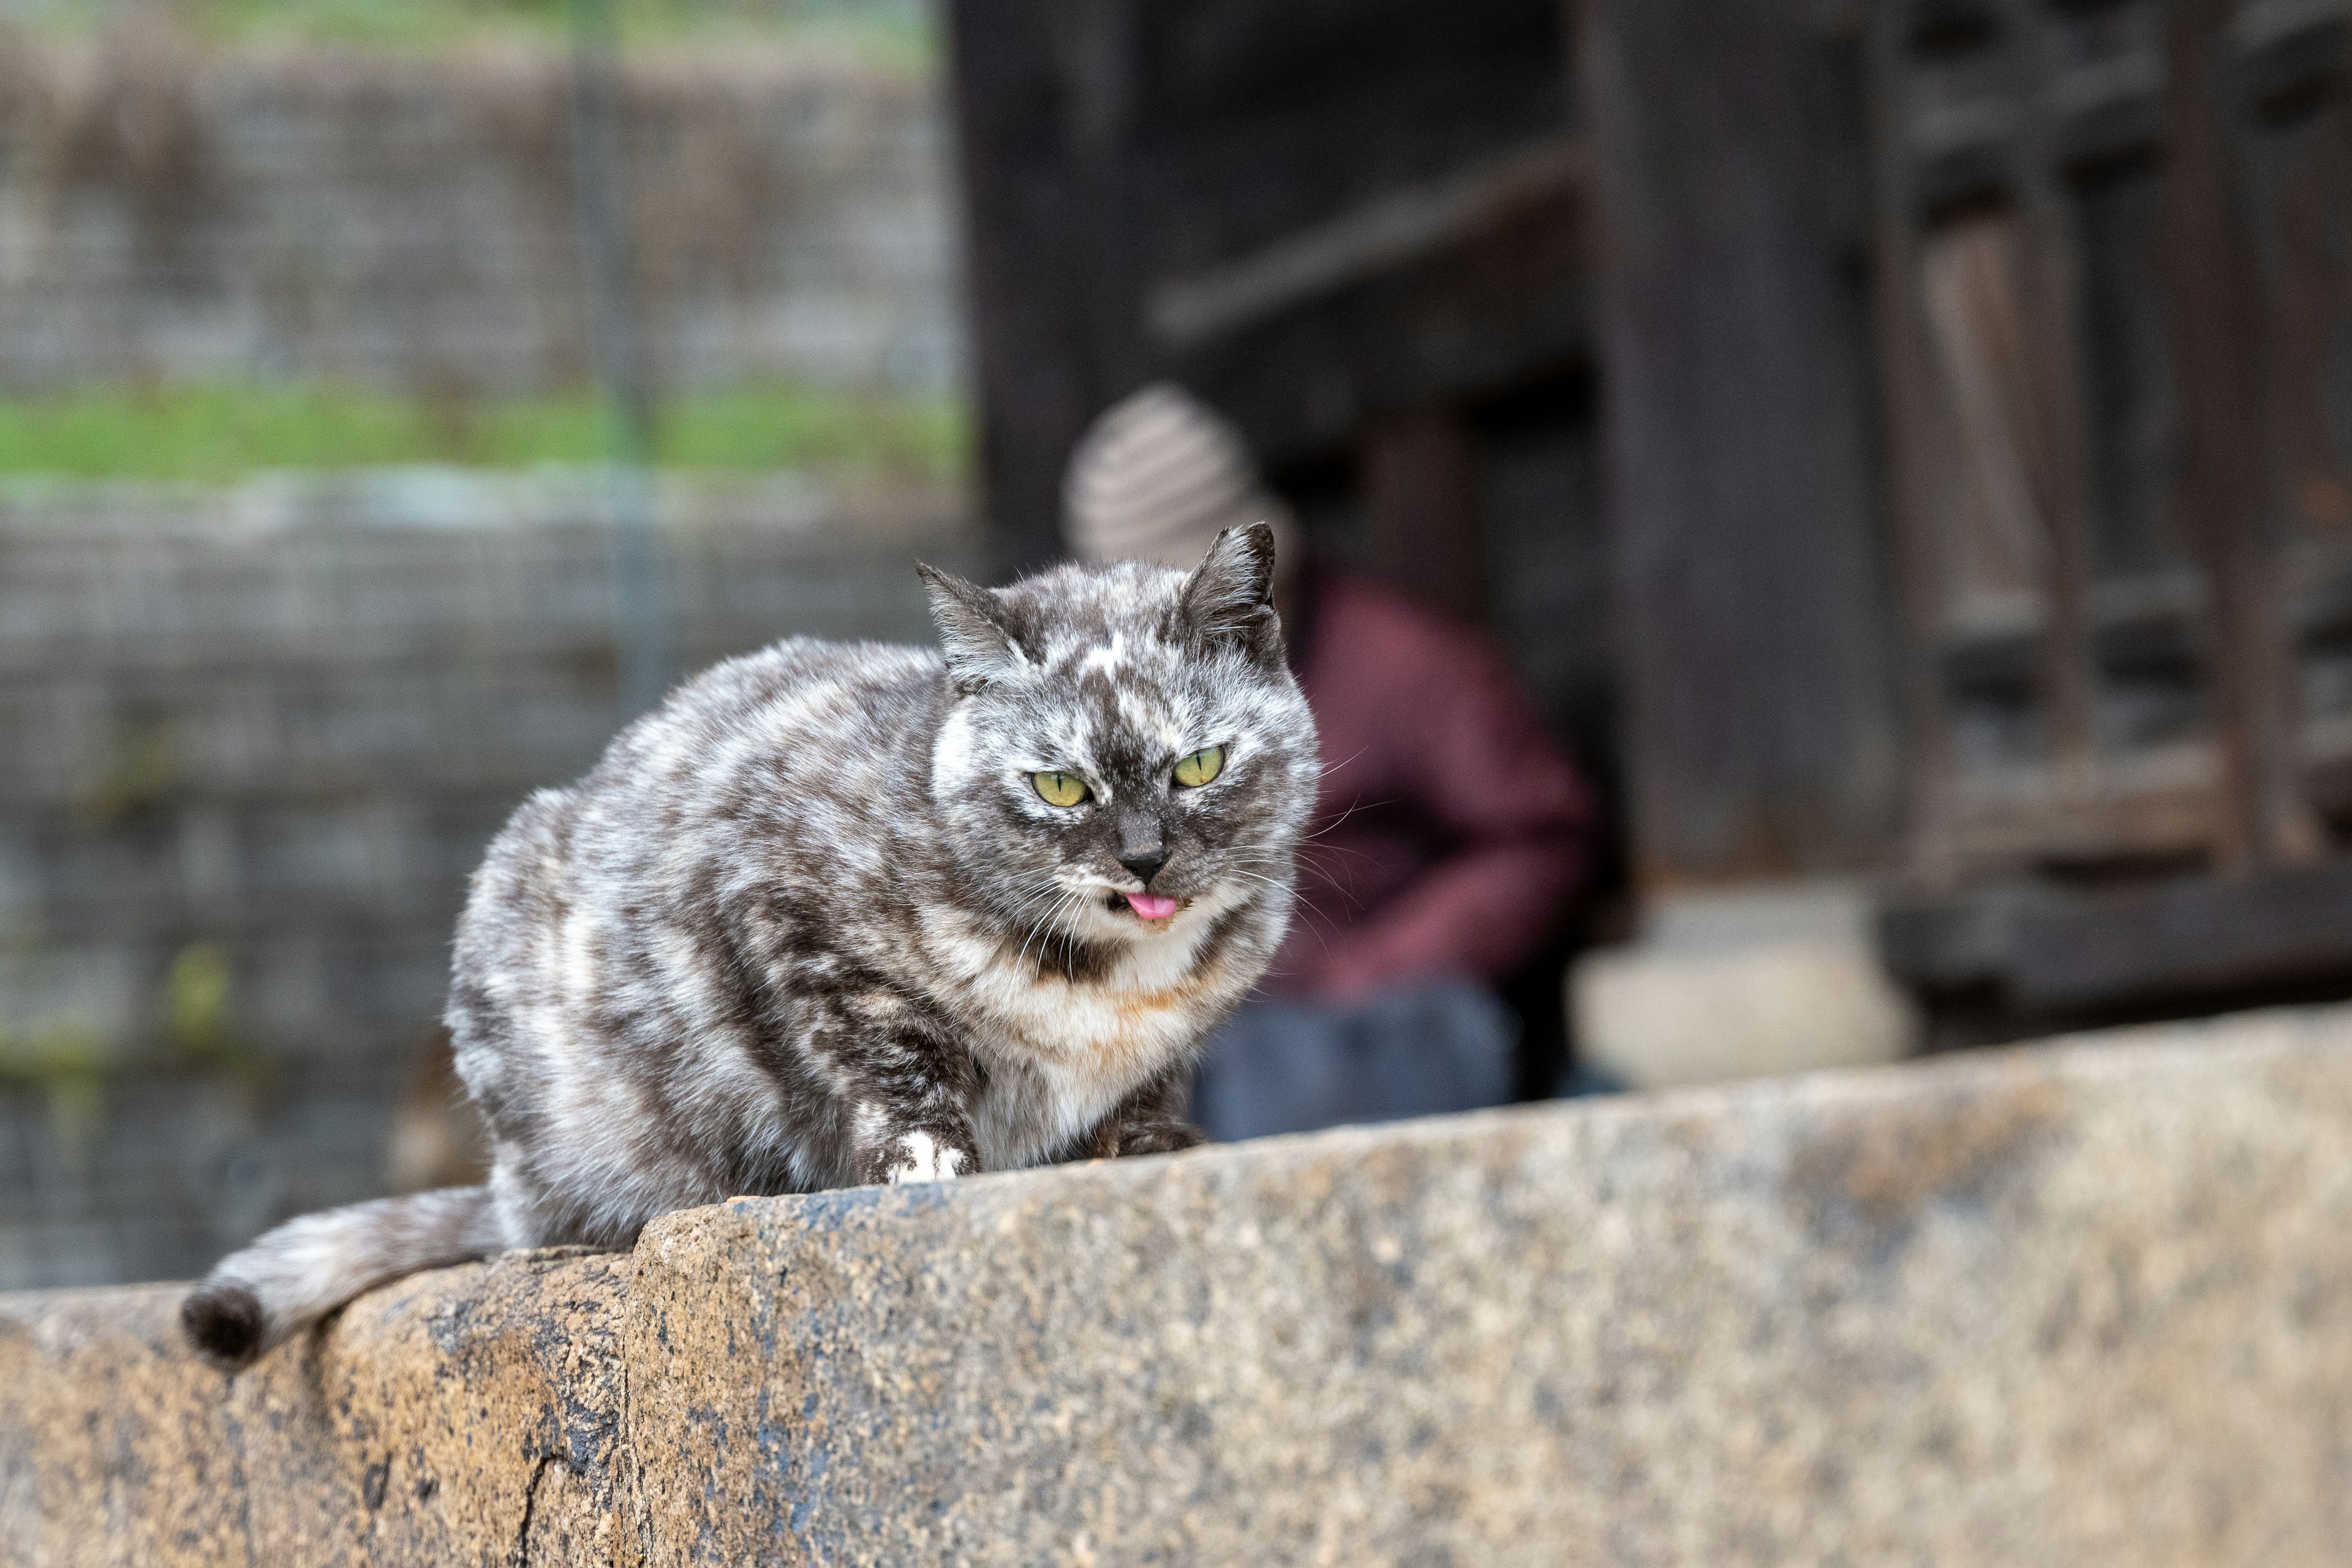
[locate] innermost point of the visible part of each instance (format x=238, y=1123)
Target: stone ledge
x=2083, y=1304
x=469, y=1414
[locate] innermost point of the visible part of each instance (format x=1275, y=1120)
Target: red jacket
x=1450, y=830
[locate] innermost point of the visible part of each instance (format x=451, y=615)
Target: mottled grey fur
x=810, y=924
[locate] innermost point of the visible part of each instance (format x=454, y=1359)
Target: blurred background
x=1901, y=452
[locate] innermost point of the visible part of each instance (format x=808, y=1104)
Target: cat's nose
x=1144, y=863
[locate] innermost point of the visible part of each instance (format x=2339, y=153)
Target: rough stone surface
x=471, y=1414
x=2078, y=1305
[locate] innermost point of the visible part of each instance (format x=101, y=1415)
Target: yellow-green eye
x=1200, y=767
x=1059, y=789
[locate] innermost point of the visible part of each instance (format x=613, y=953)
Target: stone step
x=2088, y=1304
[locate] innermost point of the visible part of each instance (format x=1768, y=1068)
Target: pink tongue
x=1151, y=906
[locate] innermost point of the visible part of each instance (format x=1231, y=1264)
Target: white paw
x=922, y=1158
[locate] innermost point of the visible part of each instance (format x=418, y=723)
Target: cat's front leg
x=1149, y=1121
x=907, y=1081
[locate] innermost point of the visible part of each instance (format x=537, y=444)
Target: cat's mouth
x=1151, y=908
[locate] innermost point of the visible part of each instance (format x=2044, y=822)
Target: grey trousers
x=1293, y=1067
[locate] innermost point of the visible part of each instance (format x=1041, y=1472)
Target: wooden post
x=1038, y=304
x=1903, y=341
x=2215, y=292
x=1752, y=593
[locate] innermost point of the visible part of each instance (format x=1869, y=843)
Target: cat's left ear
x=972, y=632
x=1229, y=598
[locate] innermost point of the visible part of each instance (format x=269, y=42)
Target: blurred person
x=1450, y=831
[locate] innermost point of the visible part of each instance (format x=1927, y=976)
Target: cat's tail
x=298, y=1273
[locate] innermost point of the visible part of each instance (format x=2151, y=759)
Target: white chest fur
x=1060, y=1054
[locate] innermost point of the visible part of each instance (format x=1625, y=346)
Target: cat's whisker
x=1353, y=807
x=1070, y=937
x=1029, y=900
x=1319, y=923
x=1016, y=918
x=1047, y=894
x=1045, y=925
x=1335, y=767
x=1337, y=886
x=1069, y=953
x=1031, y=929
x=1312, y=853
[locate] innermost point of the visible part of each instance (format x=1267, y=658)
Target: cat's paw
x=1158, y=1138
x=919, y=1157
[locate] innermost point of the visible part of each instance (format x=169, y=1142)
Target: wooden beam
x=1402, y=227
x=2047, y=949
x=2287, y=46
x=1484, y=314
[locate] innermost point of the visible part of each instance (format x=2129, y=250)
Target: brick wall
x=259, y=736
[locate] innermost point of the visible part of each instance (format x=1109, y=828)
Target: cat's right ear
x=1229, y=598
x=979, y=646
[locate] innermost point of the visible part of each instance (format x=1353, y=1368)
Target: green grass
x=888, y=31
x=218, y=432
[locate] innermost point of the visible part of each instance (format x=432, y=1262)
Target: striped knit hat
x=1158, y=476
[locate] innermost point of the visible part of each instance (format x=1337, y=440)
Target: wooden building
x=1972, y=380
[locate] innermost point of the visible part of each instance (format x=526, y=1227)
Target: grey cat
x=835, y=915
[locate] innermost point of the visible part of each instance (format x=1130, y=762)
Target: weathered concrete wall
x=2079, y=1305
x=393, y=217
x=254, y=740
x=472, y=1416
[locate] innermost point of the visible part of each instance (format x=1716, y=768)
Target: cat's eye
x=1059, y=789
x=1200, y=767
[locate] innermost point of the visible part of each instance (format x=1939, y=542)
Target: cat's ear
x=979, y=644
x=1229, y=598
